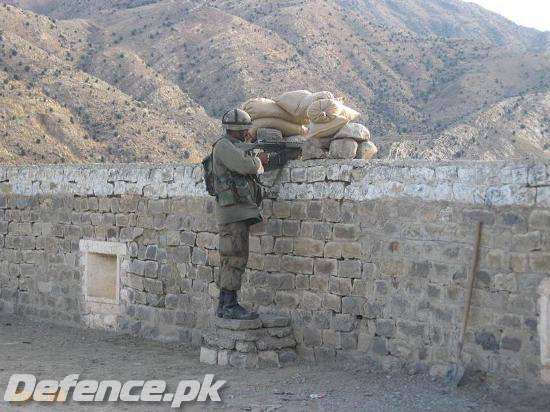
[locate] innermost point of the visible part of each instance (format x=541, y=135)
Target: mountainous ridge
x=408, y=66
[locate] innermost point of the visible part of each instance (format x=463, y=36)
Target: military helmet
x=236, y=119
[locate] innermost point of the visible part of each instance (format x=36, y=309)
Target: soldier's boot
x=221, y=302
x=232, y=309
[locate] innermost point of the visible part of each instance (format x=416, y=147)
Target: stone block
x=283, y=245
x=291, y=228
x=539, y=262
x=243, y=360
x=235, y=324
x=510, y=343
x=339, y=172
x=518, y=262
x=349, y=269
x=312, y=337
x=333, y=250
x=351, y=250
x=207, y=240
x=344, y=231
x=245, y=346
x=208, y=356
x=319, y=282
x=279, y=332
x=343, y=149
x=287, y=356
x=324, y=354
x=353, y=305
x=505, y=282
x=271, y=343
x=316, y=174
x=339, y=286
x=343, y=323
x=393, y=268
x=308, y=247
x=332, y=339
x=298, y=174
x=199, y=256
x=332, y=302
x=281, y=209
x=410, y=330
x=153, y=286
x=378, y=346
x=267, y=243
x=302, y=282
x=311, y=301
x=314, y=210
x=289, y=300
x=274, y=321
x=298, y=210
x=385, y=327
x=296, y=264
x=187, y=238
x=349, y=341
x=268, y=359
x=325, y=267
x=280, y=281
x=223, y=357
x=151, y=252
x=150, y=269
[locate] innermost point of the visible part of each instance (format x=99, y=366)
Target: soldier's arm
x=237, y=160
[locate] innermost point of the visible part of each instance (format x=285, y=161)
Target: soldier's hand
x=264, y=158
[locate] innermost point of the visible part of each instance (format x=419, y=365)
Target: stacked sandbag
x=327, y=118
x=297, y=102
x=352, y=141
x=265, y=113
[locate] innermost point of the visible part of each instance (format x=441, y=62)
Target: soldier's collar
x=233, y=139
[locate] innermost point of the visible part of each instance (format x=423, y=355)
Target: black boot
x=221, y=302
x=232, y=309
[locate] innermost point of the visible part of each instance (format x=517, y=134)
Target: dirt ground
x=53, y=352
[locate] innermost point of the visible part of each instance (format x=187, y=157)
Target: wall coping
x=490, y=183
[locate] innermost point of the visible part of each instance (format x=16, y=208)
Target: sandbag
x=297, y=102
x=353, y=131
x=366, y=150
x=343, y=149
x=291, y=101
x=309, y=100
x=286, y=128
x=261, y=107
x=328, y=129
x=325, y=110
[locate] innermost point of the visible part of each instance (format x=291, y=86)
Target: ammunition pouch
x=234, y=189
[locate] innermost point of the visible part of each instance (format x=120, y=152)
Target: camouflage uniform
x=236, y=208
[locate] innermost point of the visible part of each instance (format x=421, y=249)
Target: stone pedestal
x=263, y=342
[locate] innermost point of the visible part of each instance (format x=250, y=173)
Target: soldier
x=238, y=199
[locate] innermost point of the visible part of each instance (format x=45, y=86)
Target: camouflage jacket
x=236, y=190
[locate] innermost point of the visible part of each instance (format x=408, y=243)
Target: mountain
x=147, y=80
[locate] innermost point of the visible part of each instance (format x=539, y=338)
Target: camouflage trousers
x=233, y=250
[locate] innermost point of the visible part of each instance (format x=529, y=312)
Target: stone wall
x=367, y=258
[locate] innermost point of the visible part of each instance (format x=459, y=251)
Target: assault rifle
x=280, y=150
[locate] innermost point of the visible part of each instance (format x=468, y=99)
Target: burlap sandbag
x=320, y=131
x=353, y=131
x=291, y=101
x=325, y=110
x=297, y=102
x=286, y=128
x=312, y=98
x=260, y=108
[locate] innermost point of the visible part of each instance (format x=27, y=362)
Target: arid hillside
x=147, y=80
